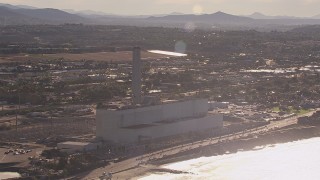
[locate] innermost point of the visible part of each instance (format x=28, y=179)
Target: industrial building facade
x=151, y=122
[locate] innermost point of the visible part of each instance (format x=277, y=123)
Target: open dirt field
x=100, y=56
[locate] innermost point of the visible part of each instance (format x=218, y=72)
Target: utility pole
x=2, y=105
x=17, y=111
x=16, y=118
x=19, y=101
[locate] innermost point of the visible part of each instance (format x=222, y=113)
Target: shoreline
x=283, y=135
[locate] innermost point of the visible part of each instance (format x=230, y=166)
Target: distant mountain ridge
x=224, y=19
x=53, y=15
x=218, y=17
x=255, y=15
x=13, y=16
x=17, y=6
x=9, y=17
x=258, y=15
x=316, y=16
x=24, y=15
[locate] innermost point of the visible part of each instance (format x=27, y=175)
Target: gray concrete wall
x=110, y=131
x=152, y=114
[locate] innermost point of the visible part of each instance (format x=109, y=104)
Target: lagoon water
x=9, y=175
x=295, y=160
x=168, y=53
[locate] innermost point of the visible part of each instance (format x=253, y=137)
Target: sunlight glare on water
x=295, y=160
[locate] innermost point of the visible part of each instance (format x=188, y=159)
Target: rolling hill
x=13, y=16
x=218, y=17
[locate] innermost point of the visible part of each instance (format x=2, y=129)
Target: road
x=143, y=159
x=4, y=156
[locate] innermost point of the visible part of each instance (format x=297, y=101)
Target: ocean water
x=298, y=160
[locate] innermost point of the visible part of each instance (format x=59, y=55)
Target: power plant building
x=147, y=120
x=151, y=122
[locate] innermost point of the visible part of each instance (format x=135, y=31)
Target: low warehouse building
x=71, y=147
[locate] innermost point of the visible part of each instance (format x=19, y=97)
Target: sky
x=302, y=8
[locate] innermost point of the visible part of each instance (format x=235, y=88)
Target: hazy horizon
x=299, y=8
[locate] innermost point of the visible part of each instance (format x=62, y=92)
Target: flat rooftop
x=127, y=104
x=75, y=143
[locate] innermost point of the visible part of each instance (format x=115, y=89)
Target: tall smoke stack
x=136, y=75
